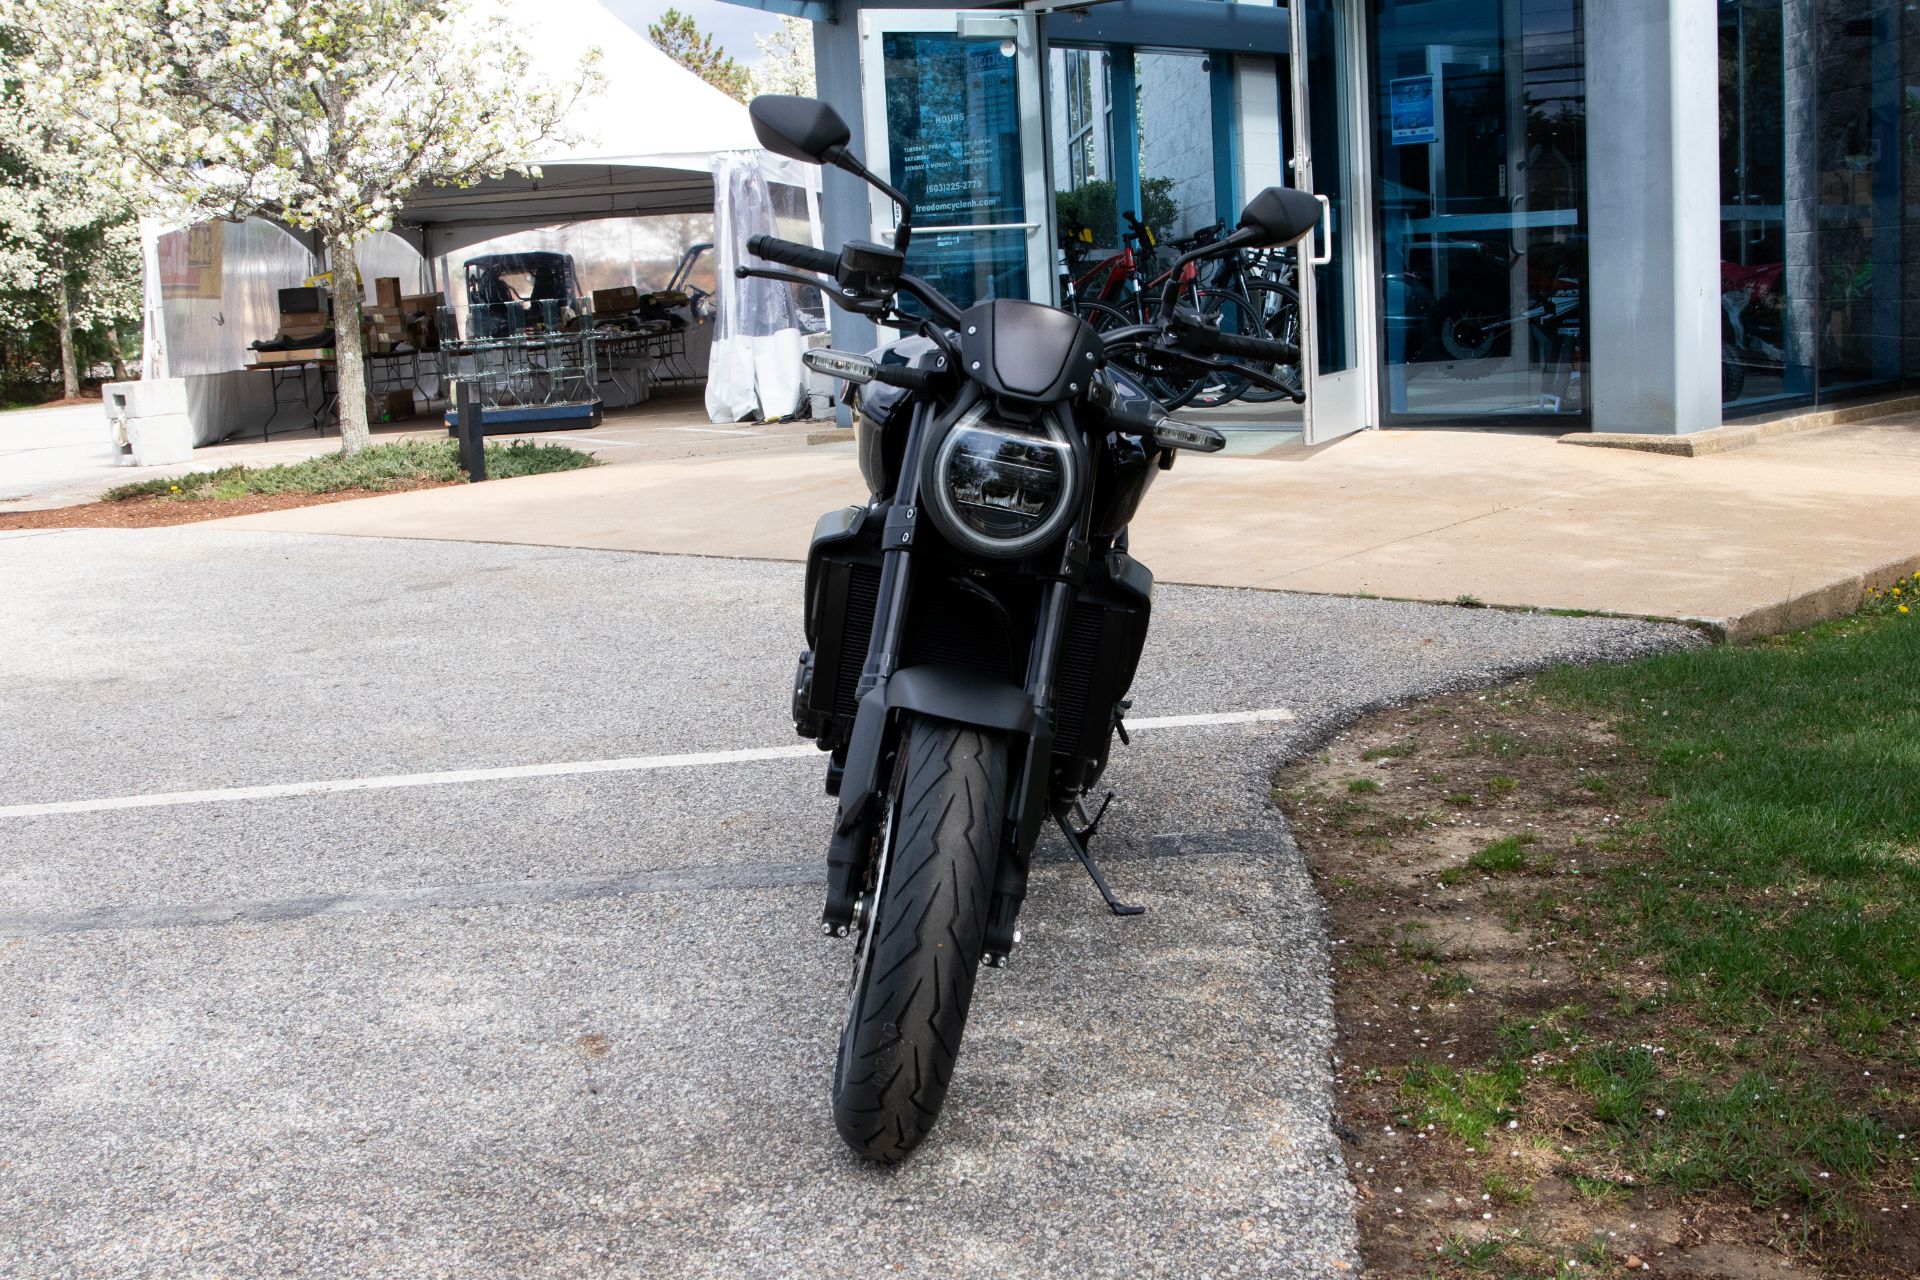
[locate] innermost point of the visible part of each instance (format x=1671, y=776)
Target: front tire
x=925, y=930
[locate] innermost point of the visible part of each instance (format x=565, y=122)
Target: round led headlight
x=1003, y=490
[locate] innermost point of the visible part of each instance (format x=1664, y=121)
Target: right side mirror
x=1281, y=215
x=798, y=128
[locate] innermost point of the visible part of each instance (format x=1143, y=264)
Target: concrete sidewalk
x=1753, y=541
x=58, y=456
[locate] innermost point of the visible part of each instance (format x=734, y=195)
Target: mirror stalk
x=841, y=158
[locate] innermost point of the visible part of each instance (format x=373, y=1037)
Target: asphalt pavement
x=579, y=1020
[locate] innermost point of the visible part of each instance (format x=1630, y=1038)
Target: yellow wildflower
x=1903, y=608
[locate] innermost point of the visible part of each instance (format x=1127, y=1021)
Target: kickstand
x=1077, y=838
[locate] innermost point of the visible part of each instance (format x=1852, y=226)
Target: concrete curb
x=1836, y=599
x=1699, y=444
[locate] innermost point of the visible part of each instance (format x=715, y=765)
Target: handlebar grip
x=1266, y=350
x=787, y=253
x=899, y=375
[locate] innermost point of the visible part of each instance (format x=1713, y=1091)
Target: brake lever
x=789, y=277
x=846, y=299
x=1239, y=370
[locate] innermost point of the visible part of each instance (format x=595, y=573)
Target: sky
x=732, y=26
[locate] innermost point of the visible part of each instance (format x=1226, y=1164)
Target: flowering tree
x=69, y=253
x=323, y=114
x=786, y=59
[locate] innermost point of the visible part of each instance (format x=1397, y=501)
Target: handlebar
x=787, y=253
x=919, y=381
x=1209, y=341
x=1204, y=337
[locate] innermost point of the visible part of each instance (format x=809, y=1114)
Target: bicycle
x=1251, y=294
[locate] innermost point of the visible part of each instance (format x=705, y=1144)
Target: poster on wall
x=953, y=127
x=190, y=261
x=1414, y=118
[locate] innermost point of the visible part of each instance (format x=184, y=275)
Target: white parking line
x=627, y=764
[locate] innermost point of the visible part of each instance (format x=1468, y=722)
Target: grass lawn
x=1632, y=953
x=1779, y=892
x=398, y=464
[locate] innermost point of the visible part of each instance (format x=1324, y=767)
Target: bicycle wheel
x=1244, y=312
x=1170, y=392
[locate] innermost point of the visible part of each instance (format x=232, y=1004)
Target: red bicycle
x=1108, y=296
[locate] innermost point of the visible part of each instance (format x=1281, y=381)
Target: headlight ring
x=1001, y=489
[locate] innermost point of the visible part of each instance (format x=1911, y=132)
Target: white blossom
x=323, y=114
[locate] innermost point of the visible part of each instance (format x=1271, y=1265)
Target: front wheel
x=924, y=930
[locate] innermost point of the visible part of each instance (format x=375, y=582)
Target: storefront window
x=1480, y=139
x=1817, y=124
x=1080, y=98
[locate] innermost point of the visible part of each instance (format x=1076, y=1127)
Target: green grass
x=1776, y=891
x=1499, y=857
x=1465, y=1102
x=1789, y=876
x=382, y=466
x=1753, y=1026
x=1505, y=1190
x=1393, y=750
x=1362, y=786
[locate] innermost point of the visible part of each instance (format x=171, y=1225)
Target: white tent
x=644, y=144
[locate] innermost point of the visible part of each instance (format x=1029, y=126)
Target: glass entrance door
x=1481, y=196
x=954, y=119
x=1330, y=159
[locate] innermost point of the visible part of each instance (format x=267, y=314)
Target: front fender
x=962, y=695
x=944, y=692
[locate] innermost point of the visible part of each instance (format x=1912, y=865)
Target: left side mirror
x=798, y=128
x=1281, y=215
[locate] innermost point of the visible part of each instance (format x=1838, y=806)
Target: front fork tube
x=862, y=789
x=1030, y=791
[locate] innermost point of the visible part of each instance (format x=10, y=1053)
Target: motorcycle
x=974, y=627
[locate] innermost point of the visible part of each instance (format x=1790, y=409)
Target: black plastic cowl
x=1028, y=351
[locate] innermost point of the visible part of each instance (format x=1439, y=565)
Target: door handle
x=1322, y=258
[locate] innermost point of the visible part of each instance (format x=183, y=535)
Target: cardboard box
x=305, y=355
x=303, y=324
x=418, y=303
x=616, y=300
x=392, y=406
x=386, y=292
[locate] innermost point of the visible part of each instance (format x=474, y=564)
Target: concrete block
x=160, y=439
x=146, y=398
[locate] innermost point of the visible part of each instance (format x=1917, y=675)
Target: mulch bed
x=1430, y=972
x=148, y=513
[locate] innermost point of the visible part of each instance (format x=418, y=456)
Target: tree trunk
x=119, y=360
x=69, y=369
x=349, y=358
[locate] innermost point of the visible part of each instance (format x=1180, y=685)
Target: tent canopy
x=643, y=145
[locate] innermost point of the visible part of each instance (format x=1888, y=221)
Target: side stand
x=1077, y=838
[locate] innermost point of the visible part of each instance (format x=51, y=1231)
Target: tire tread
x=903, y=1032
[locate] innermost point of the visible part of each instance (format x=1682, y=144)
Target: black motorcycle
x=974, y=628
